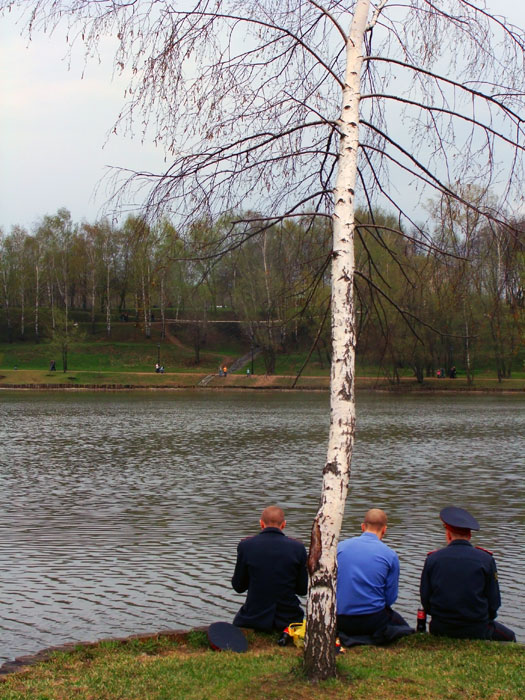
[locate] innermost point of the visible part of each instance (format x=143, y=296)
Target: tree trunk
x=7, y=310
x=37, y=294
x=418, y=372
x=147, y=312
x=51, y=303
x=268, y=353
x=108, y=304
x=22, y=312
x=162, y=307
x=197, y=342
x=468, y=367
x=319, y=656
x=63, y=291
x=93, y=299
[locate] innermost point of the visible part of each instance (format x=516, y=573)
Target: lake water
x=120, y=513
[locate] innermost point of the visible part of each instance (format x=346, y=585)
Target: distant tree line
x=454, y=299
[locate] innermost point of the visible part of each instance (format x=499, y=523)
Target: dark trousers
x=369, y=623
x=491, y=630
x=500, y=633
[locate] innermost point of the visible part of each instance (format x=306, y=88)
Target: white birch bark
x=66, y=300
x=51, y=302
x=6, y=304
x=37, y=296
x=93, y=297
x=145, y=303
x=108, y=292
x=162, y=305
x=322, y=561
x=22, y=307
x=467, y=345
x=62, y=286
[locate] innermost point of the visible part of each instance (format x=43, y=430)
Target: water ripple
x=121, y=513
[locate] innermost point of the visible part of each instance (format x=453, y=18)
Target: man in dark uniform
x=459, y=584
x=272, y=568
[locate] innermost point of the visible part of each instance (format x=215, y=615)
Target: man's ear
x=363, y=527
x=262, y=524
x=283, y=525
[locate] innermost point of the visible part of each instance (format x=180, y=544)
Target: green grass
x=128, y=358
x=109, y=356
x=190, y=377
x=183, y=668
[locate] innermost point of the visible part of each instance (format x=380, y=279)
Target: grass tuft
x=183, y=667
x=197, y=639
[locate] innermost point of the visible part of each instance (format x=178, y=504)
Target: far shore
x=37, y=380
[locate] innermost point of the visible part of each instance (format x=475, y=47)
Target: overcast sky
x=54, y=124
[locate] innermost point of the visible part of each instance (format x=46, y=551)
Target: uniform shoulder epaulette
x=432, y=552
x=485, y=550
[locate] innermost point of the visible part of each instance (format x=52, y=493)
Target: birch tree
x=35, y=258
x=6, y=274
x=296, y=107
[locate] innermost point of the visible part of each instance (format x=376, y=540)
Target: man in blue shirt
x=367, y=580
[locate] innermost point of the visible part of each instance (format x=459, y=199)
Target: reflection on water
x=121, y=513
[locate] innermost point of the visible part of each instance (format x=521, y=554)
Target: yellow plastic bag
x=297, y=630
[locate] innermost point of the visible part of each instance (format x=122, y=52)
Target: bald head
x=273, y=516
x=375, y=521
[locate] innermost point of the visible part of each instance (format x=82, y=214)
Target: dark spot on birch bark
x=316, y=548
x=346, y=393
x=331, y=467
x=324, y=580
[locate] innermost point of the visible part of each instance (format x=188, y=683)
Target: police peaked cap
x=458, y=517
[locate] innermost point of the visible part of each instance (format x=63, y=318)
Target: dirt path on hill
x=173, y=338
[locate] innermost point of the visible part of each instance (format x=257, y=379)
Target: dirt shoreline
x=403, y=388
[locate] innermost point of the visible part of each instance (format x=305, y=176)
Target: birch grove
x=297, y=107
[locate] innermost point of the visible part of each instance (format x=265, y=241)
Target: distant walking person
x=272, y=568
x=459, y=584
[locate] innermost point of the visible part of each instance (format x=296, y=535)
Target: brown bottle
x=421, y=625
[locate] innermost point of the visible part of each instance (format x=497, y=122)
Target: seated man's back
x=459, y=584
x=367, y=580
x=272, y=568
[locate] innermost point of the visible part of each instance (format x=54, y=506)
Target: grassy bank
x=120, y=379
x=128, y=360
x=127, y=350
x=181, y=667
